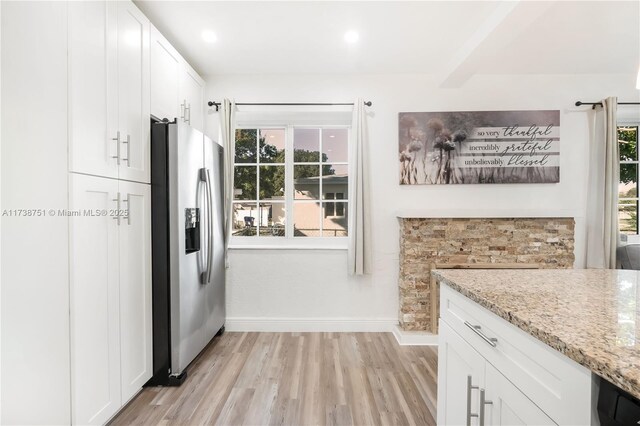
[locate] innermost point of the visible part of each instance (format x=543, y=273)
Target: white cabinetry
x=95, y=324
x=165, y=77
x=492, y=373
x=135, y=287
x=177, y=91
x=111, y=351
x=109, y=126
x=192, y=95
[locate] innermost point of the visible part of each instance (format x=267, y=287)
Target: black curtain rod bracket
x=595, y=104
x=217, y=104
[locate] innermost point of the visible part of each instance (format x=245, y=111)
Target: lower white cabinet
x=471, y=391
x=110, y=265
x=492, y=373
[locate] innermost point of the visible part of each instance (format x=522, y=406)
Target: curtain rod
x=594, y=104
x=217, y=104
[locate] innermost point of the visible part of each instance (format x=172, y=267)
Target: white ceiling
x=433, y=37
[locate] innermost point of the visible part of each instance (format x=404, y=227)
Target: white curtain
x=359, y=197
x=228, y=136
x=604, y=174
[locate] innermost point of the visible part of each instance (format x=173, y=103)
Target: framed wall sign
x=479, y=147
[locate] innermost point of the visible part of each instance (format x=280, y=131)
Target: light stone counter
x=591, y=316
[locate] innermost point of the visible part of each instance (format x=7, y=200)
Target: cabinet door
x=95, y=327
x=460, y=376
x=133, y=93
x=508, y=405
x=192, y=95
x=135, y=287
x=165, y=75
x=92, y=83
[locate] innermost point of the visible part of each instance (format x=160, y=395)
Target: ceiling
x=453, y=39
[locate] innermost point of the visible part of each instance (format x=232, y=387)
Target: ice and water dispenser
x=192, y=230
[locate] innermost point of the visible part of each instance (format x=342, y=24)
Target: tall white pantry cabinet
x=76, y=290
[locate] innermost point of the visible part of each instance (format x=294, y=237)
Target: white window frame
x=633, y=238
x=289, y=241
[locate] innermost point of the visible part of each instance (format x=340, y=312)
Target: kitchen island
x=546, y=331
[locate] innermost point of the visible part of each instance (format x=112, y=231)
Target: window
x=628, y=185
x=291, y=183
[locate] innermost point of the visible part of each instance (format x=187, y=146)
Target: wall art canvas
x=479, y=147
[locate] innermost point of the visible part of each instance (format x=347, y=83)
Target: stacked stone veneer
x=546, y=241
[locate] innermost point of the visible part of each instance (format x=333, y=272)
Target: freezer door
x=186, y=194
x=215, y=288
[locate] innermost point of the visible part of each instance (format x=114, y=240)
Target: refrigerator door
x=215, y=288
x=187, y=237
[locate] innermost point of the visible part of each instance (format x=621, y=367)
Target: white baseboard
x=414, y=338
x=309, y=324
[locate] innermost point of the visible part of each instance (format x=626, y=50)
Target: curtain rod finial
x=368, y=103
x=579, y=103
x=214, y=104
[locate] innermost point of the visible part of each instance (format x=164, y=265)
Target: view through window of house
x=291, y=182
x=628, y=186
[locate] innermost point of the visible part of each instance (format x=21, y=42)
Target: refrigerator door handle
x=209, y=228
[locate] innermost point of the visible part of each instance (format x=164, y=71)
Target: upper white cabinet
x=165, y=77
x=92, y=84
x=177, y=91
x=133, y=93
x=109, y=89
x=192, y=96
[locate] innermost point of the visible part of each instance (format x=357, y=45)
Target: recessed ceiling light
x=351, y=36
x=332, y=136
x=272, y=136
x=209, y=36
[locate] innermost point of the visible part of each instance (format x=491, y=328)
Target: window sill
x=269, y=243
x=283, y=247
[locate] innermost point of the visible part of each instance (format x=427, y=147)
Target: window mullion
x=320, y=186
x=288, y=179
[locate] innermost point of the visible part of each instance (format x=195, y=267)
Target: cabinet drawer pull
x=483, y=402
x=469, y=388
x=478, y=330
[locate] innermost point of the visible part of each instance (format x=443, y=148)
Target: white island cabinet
x=492, y=373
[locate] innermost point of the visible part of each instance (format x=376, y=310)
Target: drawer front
x=557, y=384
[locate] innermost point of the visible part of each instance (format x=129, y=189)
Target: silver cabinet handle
x=117, y=139
x=478, y=330
x=483, y=402
x=183, y=110
x=117, y=200
x=128, y=201
x=128, y=142
x=470, y=387
x=188, y=114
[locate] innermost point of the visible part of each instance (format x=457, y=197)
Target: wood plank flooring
x=297, y=379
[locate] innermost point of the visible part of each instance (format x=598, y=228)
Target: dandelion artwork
x=479, y=147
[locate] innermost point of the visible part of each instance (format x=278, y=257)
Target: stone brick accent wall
x=547, y=241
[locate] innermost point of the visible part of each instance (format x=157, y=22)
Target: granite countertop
x=591, y=316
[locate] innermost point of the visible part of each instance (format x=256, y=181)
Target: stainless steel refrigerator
x=188, y=247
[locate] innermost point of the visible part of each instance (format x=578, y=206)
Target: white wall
x=35, y=284
x=312, y=286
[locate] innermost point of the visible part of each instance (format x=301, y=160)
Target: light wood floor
x=298, y=379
